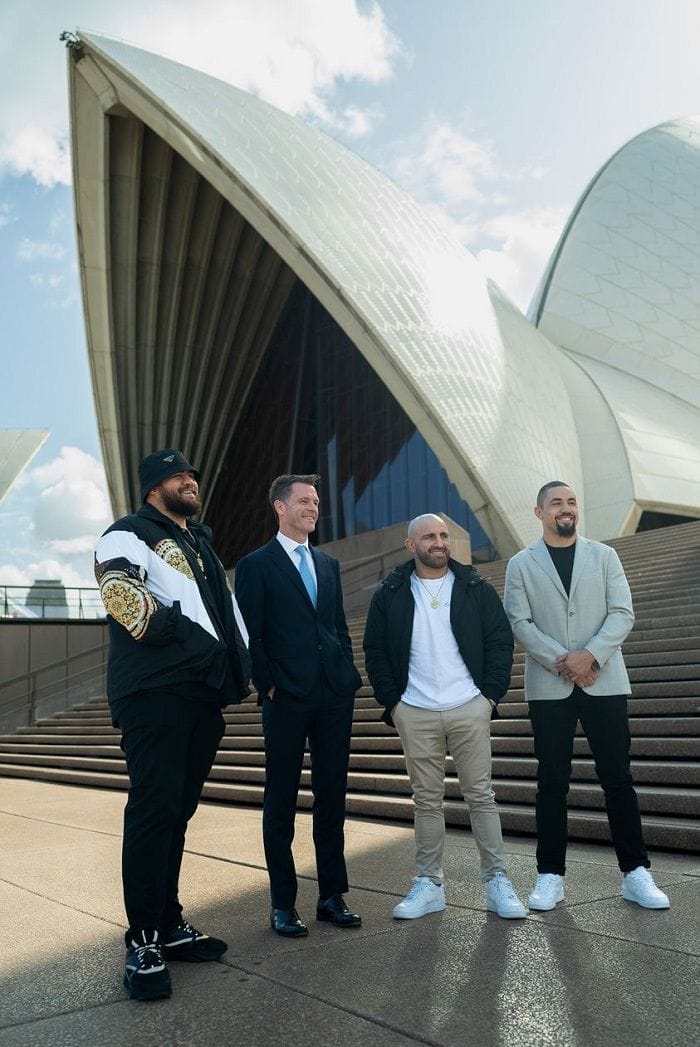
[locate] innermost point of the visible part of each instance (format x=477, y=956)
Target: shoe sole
x=544, y=908
x=507, y=915
x=143, y=994
x=189, y=954
x=647, y=905
x=416, y=916
x=342, y=926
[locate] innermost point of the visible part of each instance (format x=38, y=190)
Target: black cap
x=160, y=465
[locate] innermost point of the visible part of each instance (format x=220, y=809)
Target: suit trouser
x=325, y=719
x=426, y=735
x=170, y=744
x=605, y=724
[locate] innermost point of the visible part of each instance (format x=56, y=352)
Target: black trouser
x=605, y=724
x=325, y=718
x=170, y=744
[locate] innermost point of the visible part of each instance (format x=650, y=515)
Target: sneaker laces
x=641, y=876
x=504, y=887
x=420, y=884
x=148, y=953
x=545, y=881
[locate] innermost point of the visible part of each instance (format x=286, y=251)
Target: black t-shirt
x=563, y=560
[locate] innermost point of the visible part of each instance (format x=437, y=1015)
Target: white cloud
x=526, y=240
x=358, y=122
x=72, y=502
x=8, y=213
x=36, y=151
x=50, y=522
x=461, y=183
x=445, y=163
x=40, y=250
x=291, y=54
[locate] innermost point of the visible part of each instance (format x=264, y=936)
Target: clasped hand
x=578, y=666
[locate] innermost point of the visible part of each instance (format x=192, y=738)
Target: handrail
x=32, y=602
x=55, y=665
x=30, y=696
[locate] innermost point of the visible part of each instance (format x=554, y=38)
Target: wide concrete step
x=663, y=657
x=667, y=831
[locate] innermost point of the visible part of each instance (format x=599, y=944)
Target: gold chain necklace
x=434, y=597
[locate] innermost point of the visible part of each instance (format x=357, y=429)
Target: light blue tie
x=306, y=573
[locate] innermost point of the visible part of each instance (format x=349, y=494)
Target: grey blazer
x=596, y=615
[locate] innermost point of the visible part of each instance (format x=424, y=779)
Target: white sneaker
x=547, y=892
x=638, y=886
x=423, y=897
x=502, y=899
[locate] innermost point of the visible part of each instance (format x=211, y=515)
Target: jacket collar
x=540, y=553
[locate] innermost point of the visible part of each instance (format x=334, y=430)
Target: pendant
x=434, y=602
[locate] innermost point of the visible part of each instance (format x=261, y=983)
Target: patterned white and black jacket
x=173, y=620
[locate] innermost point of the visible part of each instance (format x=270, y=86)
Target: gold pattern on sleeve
x=128, y=601
x=171, y=553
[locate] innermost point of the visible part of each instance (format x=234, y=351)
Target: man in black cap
x=177, y=655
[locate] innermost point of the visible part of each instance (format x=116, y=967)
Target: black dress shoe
x=334, y=910
x=287, y=923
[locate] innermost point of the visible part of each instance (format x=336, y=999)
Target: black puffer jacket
x=479, y=624
x=170, y=612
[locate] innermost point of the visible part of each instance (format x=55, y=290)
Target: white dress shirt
x=289, y=546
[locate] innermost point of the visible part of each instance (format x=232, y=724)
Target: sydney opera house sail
x=258, y=295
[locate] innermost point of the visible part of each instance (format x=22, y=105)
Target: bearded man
x=439, y=651
x=570, y=608
x=177, y=655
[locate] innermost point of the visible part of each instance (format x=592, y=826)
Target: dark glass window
x=316, y=406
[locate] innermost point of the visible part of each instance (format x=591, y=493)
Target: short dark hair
x=281, y=486
x=541, y=494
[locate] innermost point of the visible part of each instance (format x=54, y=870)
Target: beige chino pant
x=426, y=735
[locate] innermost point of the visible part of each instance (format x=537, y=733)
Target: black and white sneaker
x=146, y=976
x=185, y=942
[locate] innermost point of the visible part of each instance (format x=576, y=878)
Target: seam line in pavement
x=370, y=1019
x=57, y=901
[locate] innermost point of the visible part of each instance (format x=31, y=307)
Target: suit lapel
x=283, y=563
x=583, y=551
x=541, y=556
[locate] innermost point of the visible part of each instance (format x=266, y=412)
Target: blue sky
x=494, y=115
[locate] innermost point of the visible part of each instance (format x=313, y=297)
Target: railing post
x=32, y=700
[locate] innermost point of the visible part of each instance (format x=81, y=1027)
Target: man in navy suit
x=302, y=668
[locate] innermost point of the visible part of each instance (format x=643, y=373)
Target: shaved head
x=419, y=522
x=428, y=543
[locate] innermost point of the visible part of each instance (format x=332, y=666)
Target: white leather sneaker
x=423, y=897
x=547, y=892
x=502, y=899
x=638, y=886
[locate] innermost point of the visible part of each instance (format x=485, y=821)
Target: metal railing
x=52, y=688
x=32, y=602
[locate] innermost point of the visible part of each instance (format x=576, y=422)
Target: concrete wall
x=35, y=647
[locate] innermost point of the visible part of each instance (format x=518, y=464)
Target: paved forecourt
x=595, y=971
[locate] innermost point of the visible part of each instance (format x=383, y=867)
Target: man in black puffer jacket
x=177, y=656
x=439, y=652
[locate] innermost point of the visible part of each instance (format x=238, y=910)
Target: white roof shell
x=622, y=297
x=501, y=406
x=17, y=448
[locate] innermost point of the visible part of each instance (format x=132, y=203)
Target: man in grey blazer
x=570, y=608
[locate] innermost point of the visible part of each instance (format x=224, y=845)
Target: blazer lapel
x=583, y=551
x=284, y=564
x=541, y=556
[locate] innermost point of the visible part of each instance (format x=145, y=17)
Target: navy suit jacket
x=291, y=642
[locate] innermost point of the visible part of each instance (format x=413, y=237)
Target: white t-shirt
x=437, y=675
